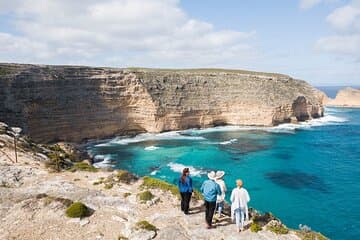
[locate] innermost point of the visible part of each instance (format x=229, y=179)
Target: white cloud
x=307, y=4
x=123, y=32
x=345, y=18
x=345, y=41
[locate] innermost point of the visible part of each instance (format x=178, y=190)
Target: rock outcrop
x=73, y=103
x=347, y=97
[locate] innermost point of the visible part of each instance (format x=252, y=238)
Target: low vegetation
x=311, y=235
x=149, y=182
x=77, y=210
x=125, y=176
x=254, y=227
x=146, y=226
x=278, y=229
x=108, y=185
x=145, y=196
x=82, y=166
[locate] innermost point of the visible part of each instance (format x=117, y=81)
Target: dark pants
x=185, y=201
x=209, y=212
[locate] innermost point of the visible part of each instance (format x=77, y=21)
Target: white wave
x=174, y=135
x=106, y=162
x=178, y=167
x=151, y=148
x=228, y=142
x=154, y=172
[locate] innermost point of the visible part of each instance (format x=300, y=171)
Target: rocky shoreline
x=36, y=192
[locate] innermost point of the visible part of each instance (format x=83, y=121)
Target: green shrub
x=108, y=185
x=125, y=176
x=154, y=183
x=56, y=161
x=82, y=166
x=311, y=235
x=149, y=182
x=280, y=229
x=146, y=226
x=77, y=210
x=254, y=227
x=145, y=196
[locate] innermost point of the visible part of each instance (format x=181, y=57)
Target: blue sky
x=314, y=40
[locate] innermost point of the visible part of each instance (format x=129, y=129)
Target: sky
x=314, y=40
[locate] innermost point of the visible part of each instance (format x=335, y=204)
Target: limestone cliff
x=73, y=103
x=347, y=97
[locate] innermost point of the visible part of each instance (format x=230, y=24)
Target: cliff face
x=347, y=97
x=74, y=103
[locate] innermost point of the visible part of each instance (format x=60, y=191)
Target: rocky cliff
x=347, y=97
x=73, y=103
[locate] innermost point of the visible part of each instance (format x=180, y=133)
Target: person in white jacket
x=239, y=208
x=220, y=198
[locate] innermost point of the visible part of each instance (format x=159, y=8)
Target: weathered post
x=16, y=134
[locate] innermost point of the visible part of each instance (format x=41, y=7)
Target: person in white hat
x=239, y=208
x=210, y=189
x=220, y=198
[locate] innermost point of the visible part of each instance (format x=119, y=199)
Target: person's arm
x=232, y=197
x=190, y=185
x=225, y=189
x=218, y=189
x=179, y=182
x=247, y=196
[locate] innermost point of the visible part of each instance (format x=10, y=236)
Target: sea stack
x=74, y=103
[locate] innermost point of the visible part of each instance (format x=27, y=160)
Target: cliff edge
x=74, y=103
x=347, y=97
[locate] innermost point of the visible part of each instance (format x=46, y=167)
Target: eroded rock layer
x=74, y=103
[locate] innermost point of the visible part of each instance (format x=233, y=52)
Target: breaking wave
x=178, y=167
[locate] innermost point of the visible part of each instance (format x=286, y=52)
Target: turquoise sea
x=304, y=174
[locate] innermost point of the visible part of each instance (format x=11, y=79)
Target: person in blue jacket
x=185, y=189
x=210, y=190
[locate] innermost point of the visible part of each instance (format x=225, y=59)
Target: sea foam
x=178, y=167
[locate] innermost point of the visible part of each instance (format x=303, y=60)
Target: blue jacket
x=186, y=186
x=210, y=189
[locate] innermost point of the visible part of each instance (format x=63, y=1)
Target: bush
x=279, y=229
x=126, y=194
x=146, y=226
x=145, y=196
x=81, y=166
x=108, y=186
x=77, y=210
x=255, y=227
x=125, y=176
x=149, y=182
x=311, y=235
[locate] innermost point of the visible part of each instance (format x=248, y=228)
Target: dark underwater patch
x=283, y=155
x=297, y=180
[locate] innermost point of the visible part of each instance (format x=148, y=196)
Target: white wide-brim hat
x=211, y=175
x=219, y=174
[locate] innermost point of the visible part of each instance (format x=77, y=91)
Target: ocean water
x=304, y=174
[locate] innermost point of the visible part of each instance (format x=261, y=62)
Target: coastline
x=38, y=192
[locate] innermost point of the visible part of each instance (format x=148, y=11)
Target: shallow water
x=304, y=174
